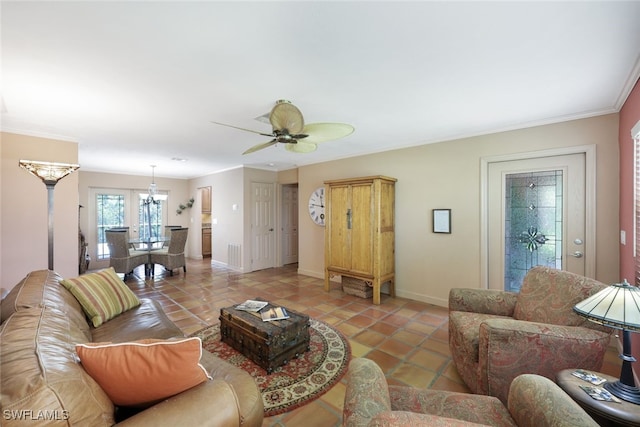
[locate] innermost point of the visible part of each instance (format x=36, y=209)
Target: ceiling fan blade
x=260, y=146
x=285, y=115
x=321, y=132
x=301, y=147
x=247, y=130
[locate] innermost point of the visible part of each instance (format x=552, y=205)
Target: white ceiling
x=137, y=83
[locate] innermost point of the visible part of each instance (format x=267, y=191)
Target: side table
x=604, y=413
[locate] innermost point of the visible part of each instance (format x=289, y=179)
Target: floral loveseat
x=534, y=401
x=494, y=336
x=47, y=344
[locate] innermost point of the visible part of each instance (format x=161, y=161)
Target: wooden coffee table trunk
x=268, y=344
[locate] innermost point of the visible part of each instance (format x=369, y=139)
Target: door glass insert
x=533, y=223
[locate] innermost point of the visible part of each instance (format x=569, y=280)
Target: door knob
x=577, y=254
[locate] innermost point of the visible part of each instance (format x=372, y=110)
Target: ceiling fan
x=289, y=129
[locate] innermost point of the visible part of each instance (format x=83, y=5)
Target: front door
x=536, y=216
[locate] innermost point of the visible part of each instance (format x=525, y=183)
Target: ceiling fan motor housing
x=288, y=128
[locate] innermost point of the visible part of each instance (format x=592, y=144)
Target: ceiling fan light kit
x=288, y=128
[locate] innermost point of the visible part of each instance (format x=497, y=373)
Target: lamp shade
x=616, y=306
x=49, y=172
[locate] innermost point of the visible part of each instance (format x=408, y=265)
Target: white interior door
x=262, y=225
x=517, y=196
x=289, y=224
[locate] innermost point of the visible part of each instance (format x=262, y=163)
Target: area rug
x=302, y=379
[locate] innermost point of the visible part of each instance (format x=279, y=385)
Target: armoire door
x=340, y=253
x=362, y=228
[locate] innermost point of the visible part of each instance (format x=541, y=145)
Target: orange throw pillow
x=141, y=373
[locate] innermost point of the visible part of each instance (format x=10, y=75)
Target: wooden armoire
x=359, y=231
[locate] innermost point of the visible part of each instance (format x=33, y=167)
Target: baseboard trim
x=311, y=273
x=422, y=298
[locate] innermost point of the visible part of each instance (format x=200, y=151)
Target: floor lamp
x=50, y=173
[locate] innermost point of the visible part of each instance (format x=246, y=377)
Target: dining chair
x=167, y=233
x=172, y=256
x=122, y=257
x=126, y=229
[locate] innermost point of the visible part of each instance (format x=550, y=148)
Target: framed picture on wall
x=442, y=221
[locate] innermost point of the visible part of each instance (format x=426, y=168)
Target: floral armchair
x=494, y=336
x=534, y=401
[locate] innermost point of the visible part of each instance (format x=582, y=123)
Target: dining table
x=149, y=244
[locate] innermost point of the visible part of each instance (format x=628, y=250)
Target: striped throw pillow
x=102, y=295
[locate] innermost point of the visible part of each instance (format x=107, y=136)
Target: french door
x=112, y=208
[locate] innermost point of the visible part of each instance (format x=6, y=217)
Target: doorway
x=538, y=209
x=289, y=224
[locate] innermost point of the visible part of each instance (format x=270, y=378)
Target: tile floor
x=408, y=339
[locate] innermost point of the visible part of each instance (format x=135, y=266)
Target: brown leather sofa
x=42, y=379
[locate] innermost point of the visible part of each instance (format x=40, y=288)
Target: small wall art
x=442, y=221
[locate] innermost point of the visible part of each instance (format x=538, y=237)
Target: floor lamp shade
x=617, y=306
x=50, y=173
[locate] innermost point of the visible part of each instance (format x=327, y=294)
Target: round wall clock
x=316, y=206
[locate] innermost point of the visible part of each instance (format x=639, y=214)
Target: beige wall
x=23, y=202
x=227, y=191
x=289, y=176
x=447, y=175
x=230, y=215
x=177, y=190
